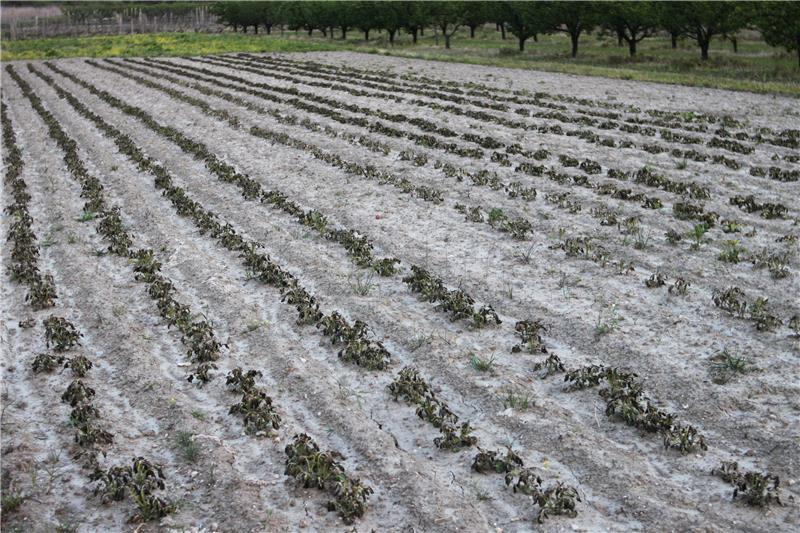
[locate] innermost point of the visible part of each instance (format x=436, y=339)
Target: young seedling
x=518, y=400
x=698, y=235
x=482, y=364
x=607, y=320
x=731, y=252
x=724, y=367
x=186, y=446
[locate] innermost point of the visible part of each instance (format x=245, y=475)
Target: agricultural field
x=336, y=291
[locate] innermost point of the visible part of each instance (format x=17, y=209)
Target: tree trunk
x=674, y=36
x=472, y=32
x=522, y=44
x=447, y=41
x=632, y=47
x=344, y=33
x=422, y=31
x=620, y=37
x=310, y=31
x=535, y=38
x=414, y=35
x=574, y=37
x=503, y=30
x=268, y=27
x=255, y=29
x=703, y=48
x=366, y=35
x=735, y=43
x=391, y=36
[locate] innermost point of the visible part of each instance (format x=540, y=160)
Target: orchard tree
x=632, y=21
x=670, y=16
x=300, y=15
x=448, y=17
x=337, y=14
x=415, y=16
x=367, y=17
x=268, y=14
x=524, y=20
x=231, y=14
x=779, y=24
x=702, y=21
x=572, y=18
x=391, y=17
x=476, y=14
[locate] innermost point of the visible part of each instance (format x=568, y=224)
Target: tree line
x=630, y=22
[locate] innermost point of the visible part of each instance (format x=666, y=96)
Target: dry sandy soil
x=595, y=311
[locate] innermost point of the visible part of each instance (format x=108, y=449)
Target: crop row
x=390, y=89
x=691, y=121
x=368, y=171
x=683, y=210
x=558, y=499
x=456, y=302
x=469, y=88
x=359, y=347
x=340, y=328
x=788, y=138
x=483, y=116
x=519, y=227
x=487, y=142
x=514, y=189
x=333, y=326
x=255, y=407
x=644, y=177
x=427, y=139
x=141, y=480
x=284, y=118
x=625, y=401
x=793, y=139
x=350, y=494
x=202, y=346
x=24, y=264
x=305, y=462
x=356, y=245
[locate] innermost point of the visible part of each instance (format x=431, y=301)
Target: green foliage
x=187, y=447
x=724, y=367
x=779, y=23
x=524, y=20
x=631, y=21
